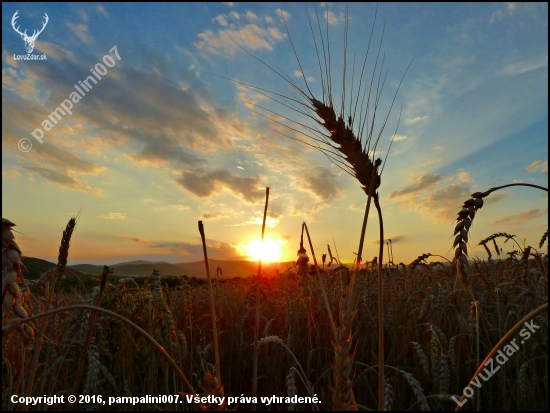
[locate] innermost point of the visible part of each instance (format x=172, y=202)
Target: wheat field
x=434, y=336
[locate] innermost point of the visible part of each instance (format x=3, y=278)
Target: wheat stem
x=257, y=323
x=16, y=322
x=503, y=341
x=381, y=394
x=81, y=365
x=212, y=305
x=323, y=292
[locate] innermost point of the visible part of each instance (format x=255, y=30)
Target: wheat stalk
x=465, y=219
x=503, y=341
x=257, y=319
x=212, y=305
x=16, y=322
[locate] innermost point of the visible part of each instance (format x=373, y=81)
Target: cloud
x=284, y=14
x=251, y=36
x=271, y=221
x=543, y=165
x=430, y=161
x=307, y=211
x=424, y=181
x=500, y=14
x=521, y=217
x=63, y=180
x=81, y=31
x=321, y=184
x=210, y=183
x=441, y=204
x=100, y=9
x=464, y=177
x=221, y=20
x=438, y=148
x=334, y=20
x=193, y=252
x=113, y=215
x=251, y=16
x=169, y=121
x=398, y=138
x=416, y=120
x=496, y=197
x=524, y=66
x=354, y=207
x=214, y=215
x=181, y=207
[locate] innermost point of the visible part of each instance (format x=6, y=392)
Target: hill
x=142, y=268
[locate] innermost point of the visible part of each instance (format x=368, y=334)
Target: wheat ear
x=12, y=267
x=88, y=339
x=16, y=322
x=462, y=229
x=54, y=288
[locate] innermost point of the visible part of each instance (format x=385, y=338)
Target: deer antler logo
x=29, y=40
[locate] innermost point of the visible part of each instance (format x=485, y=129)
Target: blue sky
x=164, y=139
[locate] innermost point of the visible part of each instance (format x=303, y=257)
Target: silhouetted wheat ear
x=12, y=267
x=350, y=146
x=543, y=239
x=462, y=229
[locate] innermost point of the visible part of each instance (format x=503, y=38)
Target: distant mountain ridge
x=142, y=268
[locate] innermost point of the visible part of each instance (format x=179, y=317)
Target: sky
x=162, y=138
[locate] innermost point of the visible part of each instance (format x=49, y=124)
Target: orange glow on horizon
x=270, y=251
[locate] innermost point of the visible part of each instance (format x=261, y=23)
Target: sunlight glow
x=270, y=251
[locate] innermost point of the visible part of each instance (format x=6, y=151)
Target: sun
x=270, y=251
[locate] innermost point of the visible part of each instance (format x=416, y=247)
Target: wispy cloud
x=81, y=31
x=286, y=15
x=181, y=207
x=271, y=221
x=251, y=16
x=113, y=215
x=521, y=217
x=214, y=215
x=524, y=66
x=542, y=165
x=193, y=252
x=250, y=36
x=424, y=181
x=210, y=183
x=416, y=119
x=464, y=177
x=221, y=20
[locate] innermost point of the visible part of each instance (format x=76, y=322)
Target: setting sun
x=269, y=251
